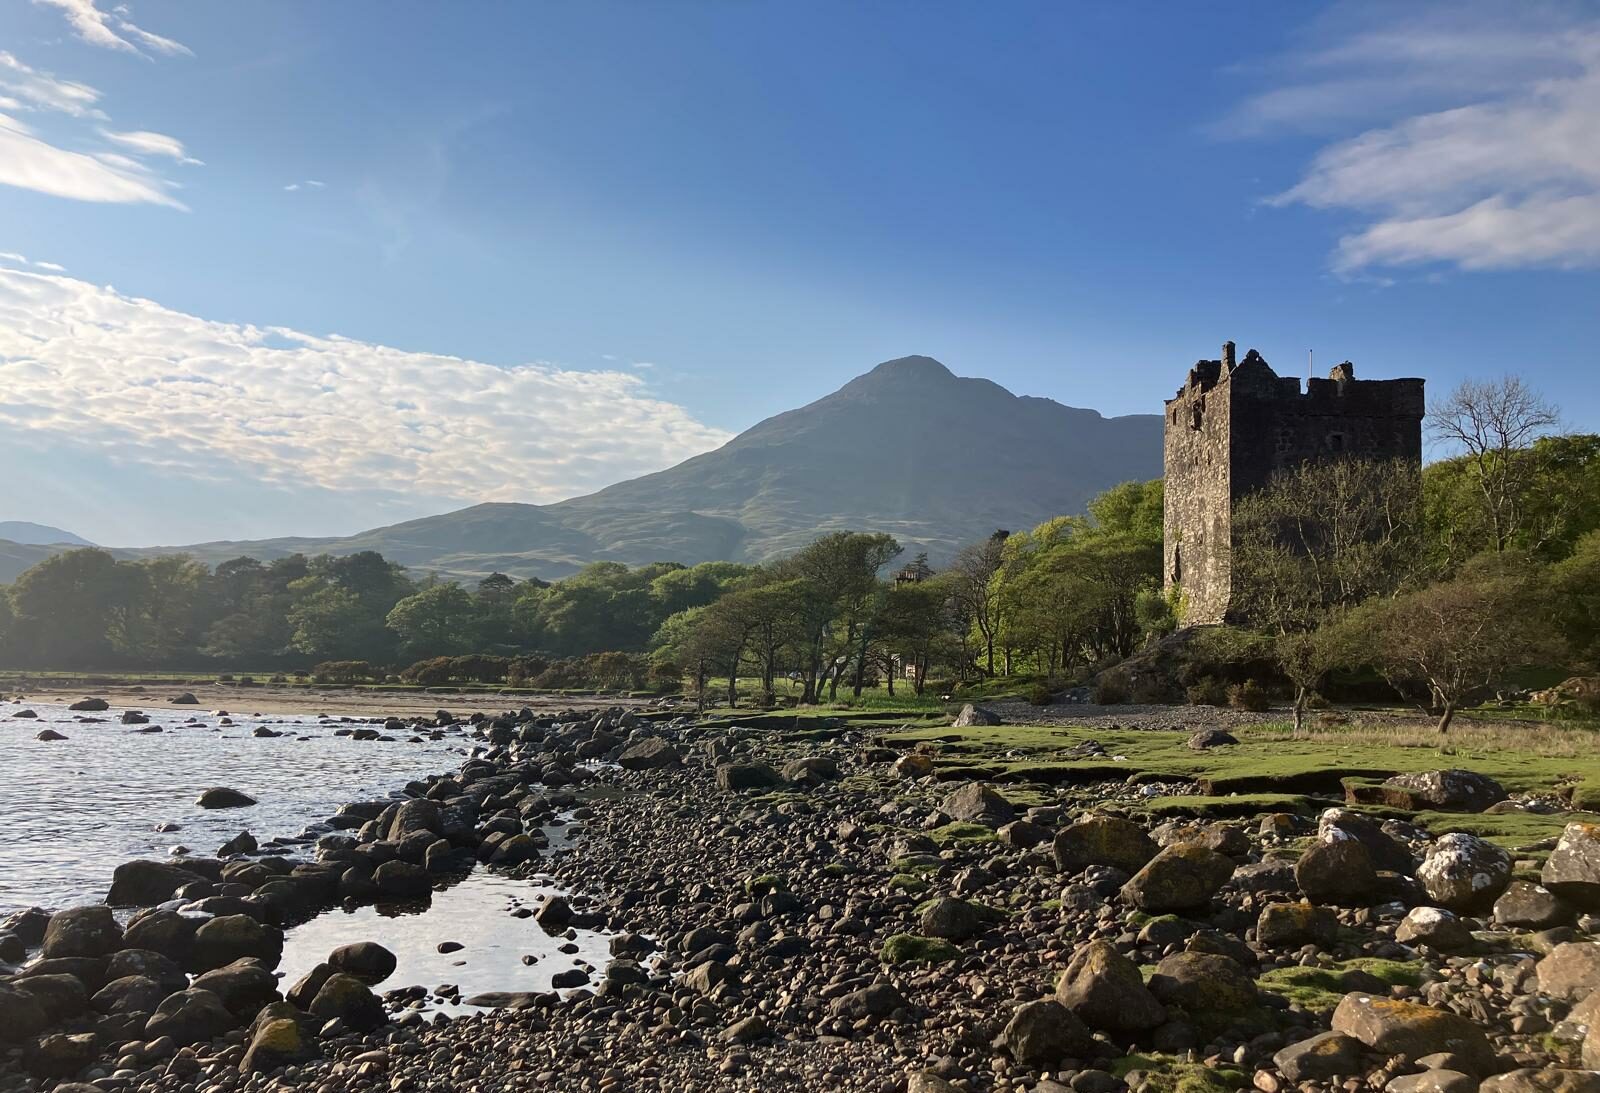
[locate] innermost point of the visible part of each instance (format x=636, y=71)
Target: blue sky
x=326, y=266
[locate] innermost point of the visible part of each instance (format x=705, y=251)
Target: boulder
x=1291, y=925
x=1530, y=906
x=971, y=715
x=162, y=931
x=276, y=1043
x=1022, y=834
x=651, y=753
x=1323, y=1056
x=144, y=883
x=62, y=1054
x=1102, y=840
x=187, y=698
x=744, y=775
x=352, y=1001
x=1543, y=1080
x=81, y=931
x=151, y=965
x=1573, y=869
x=1203, y=983
x=20, y=1017
x=134, y=717
x=49, y=735
x=129, y=994
x=953, y=919
x=90, y=705
x=1392, y=1027
x=222, y=940
x=1442, y=790
x=915, y=765
x=242, y=843
x=1388, y=854
x=813, y=770
x=57, y=996
x=1106, y=991
x=366, y=960
x=877, y=1001
x=303, y=991
x=244, y=986
x=1043, y=1032
x=1206, y=739
x=1464, y=873
x=977, y=803
x=1436, y=928
x=1180, y=878
x=190, y=1016
x=223, y=797
x=1336, y=869
x=402, y=879
x=1571, y=971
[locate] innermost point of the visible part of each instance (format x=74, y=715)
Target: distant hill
x=28, y=534
x=909, y=448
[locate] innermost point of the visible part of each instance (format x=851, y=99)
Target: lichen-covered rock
x=1573, y=869
x=62, y=1054
x=1336, y=869
x=81, y=931
x=1043, y=1032
x=352, y=1001
x=1388, y=854
x=1543, y=1080
x=915, y=765
x=1106, y=991
x=1180, y=878
x=1464, y=873
x=1570, y=971
x=224, y=939
x=1393, y=1027
x=1323, y=1056
x=1290, y=925
x=1530, y=906
x=977, y=803
x=651, y=753
x=129, y=994
x=953, y=919
x=1434, y=927
x=971, y=715
x=1103, y=840
x=162, y=931
x=191, y=1016
x=1444, y=790
x=1203, y=983
x=278, y=1042
x=740, y=776
x=811, y=770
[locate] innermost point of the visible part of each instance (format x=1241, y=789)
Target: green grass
x=1243, y=804
x=959, y=832
x=1169, y=1075
x=916, y=949
x=1320, y=989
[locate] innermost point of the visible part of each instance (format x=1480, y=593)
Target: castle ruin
x=1233, y=425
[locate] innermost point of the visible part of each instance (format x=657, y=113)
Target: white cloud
x=51, y=266
x=112, y=30
x=82, y=364
x=308, y=184
x=31, y=163
x=147, y=143
x=1486, y=151
x=42, y=91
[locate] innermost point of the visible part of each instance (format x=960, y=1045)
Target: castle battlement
x=1235, y=423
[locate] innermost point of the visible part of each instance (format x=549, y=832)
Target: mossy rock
x=1164, y=1074
x=915, y=949
x=905, y=882
x=960, y=832
x=764, y=885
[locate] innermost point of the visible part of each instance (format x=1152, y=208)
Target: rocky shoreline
x=812, y=909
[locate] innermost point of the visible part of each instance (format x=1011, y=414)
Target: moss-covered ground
x=1320, y=989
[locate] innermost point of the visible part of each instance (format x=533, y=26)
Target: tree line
x=1334, y=564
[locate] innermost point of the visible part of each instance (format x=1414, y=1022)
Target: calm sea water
x=72, y=810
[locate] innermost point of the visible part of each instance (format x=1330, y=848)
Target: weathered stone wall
x=1233, y=425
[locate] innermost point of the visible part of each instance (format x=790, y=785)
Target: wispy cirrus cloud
x=85, y=364
x=98, y=170
x=1477, y=134
x=113, y=29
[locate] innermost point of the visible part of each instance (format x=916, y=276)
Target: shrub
x=281, y=678
x=1207, y=691
x=479, y=668
x=343, y=671
x=1249, y=695
x=1111, y=688
x=432, y=672
x=225, y=677
x=521, y=671
x=665, y=677
x=1040, y=694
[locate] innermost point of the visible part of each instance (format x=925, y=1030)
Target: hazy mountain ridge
x=908, y=448
x=27, y=533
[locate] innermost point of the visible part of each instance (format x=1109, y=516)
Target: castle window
x=1196, y=417
x=1336, y=442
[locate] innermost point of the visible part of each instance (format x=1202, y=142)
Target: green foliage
x=1249, y=695
x=1207, y=691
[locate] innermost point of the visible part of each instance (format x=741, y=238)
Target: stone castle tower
x=1232, y=425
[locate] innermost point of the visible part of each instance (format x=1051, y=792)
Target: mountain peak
x=916, y=368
